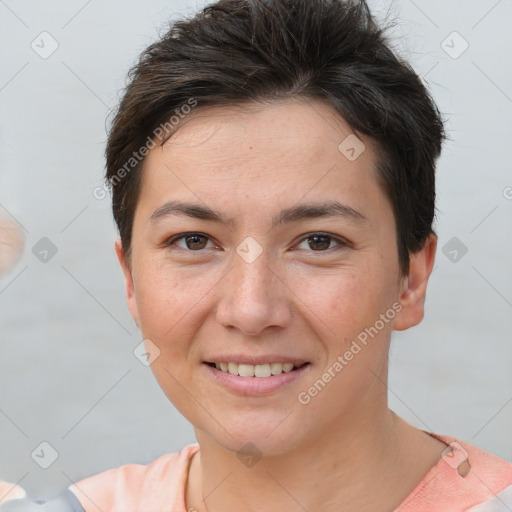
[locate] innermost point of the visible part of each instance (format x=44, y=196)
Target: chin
x=270, y=437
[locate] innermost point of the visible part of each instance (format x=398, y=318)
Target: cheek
x=348, y=305
x=343, y=298
x=172, y=302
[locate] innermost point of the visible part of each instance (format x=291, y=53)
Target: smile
x=256, y=370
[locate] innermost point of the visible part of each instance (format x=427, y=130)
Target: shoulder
x=449, y=486
x=492, y=470
x=502, y=502
x=10, y=491
x=491, y=477
x=126, y=487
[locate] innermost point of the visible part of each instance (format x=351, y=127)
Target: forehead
x=299, y=147
x=306, y=127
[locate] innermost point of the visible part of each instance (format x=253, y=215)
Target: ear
x=128, y=279
x=414, y=286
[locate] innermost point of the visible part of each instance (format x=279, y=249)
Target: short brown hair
x=239, y=51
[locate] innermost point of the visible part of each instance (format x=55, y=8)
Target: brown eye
x=195, y=242
x=192, y=241
x=319, y=242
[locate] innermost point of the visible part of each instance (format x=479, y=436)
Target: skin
x=10, y=491
x=298, y=298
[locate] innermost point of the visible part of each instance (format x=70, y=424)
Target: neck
x=333, y=472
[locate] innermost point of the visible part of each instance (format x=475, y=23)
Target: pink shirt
x=160, y=486
x=9, y=491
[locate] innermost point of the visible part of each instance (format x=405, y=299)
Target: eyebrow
x=289, y=215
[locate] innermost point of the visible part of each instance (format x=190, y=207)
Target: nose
x=254, y=297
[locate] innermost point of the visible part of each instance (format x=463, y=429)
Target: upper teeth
x=255, y=370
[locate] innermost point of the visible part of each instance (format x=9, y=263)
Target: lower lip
x=255, y=386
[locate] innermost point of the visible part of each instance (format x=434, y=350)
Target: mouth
x=256, y=371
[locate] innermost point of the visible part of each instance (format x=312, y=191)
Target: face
x=257, y=240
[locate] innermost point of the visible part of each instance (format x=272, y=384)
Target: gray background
x=68, y=375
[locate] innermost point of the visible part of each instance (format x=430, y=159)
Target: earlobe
x=414, y=287
x=128, y=279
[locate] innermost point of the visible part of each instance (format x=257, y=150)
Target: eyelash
x=341, y=242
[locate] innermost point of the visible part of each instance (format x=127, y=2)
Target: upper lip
x=254, y=360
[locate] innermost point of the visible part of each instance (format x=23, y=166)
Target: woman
x=272, y=165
